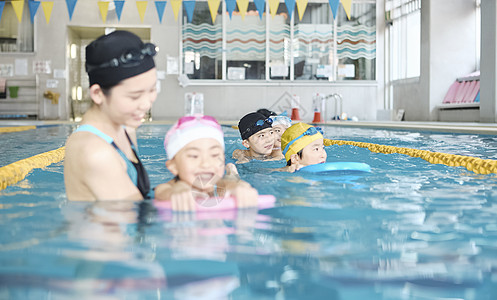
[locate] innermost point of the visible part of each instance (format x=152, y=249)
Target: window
x=246, y=45
x=314, y=44
x=356, y=43
x=16, y=36
x=202, y=44
x=281, y=47
x=404, y=21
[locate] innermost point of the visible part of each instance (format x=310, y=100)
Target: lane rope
x=474, y=164
x=17, y=171
x=16, y=129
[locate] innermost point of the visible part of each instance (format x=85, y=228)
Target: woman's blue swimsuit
x=136, y=171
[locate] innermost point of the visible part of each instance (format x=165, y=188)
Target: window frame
x=268, y=81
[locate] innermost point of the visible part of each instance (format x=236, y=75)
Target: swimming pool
x=408, y=230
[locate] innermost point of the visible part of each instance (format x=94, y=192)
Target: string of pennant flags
x=160, y=6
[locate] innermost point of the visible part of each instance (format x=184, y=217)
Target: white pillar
x=488, y=69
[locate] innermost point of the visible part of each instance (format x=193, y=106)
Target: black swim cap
x=252, y=123
x=117, y=56
x=266, y=112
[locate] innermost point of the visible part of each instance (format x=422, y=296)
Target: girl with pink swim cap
x=195, y=151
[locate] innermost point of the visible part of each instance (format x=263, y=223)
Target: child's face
x=262, y=142
x=277, y=132
x=314, y=153
x=200, y=164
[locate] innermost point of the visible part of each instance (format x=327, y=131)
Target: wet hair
x=289, y=162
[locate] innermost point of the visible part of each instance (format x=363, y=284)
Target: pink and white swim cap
x=189, y=129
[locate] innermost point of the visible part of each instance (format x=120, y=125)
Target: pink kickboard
x=461, y=91
x=451, y=93
x=471, y=96
x=229, y=203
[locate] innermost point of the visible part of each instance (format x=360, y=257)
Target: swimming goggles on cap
x=309, y=131
x=129, y=59
x=260, y=122
x=207, y=120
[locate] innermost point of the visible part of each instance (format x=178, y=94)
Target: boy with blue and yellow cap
x=302, y=146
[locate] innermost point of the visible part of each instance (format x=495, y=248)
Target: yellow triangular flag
x=176, y=5
x=273, y=7
x=104, y=9
x=347, y=5
x=47, y=9
x=213, y=7
x=18, y=7
x=142, y=7
x=242, y=7
x=301, y=6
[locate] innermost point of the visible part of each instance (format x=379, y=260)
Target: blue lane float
x=333, y=167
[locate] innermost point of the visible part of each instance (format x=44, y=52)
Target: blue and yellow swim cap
x=297, y=136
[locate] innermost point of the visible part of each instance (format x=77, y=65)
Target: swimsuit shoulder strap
x=131, y=169
x=95, y=131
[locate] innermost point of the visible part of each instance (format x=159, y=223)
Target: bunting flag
x=230, y=6
x=142, y=8
x=347, y=5
x=71, y=4
x=290, y=6
x=273, y=7
x=176, y=5
x=47, y=9
x=213, y=7
x=104, y=9
x=259, y=4
x=334, y=7
x=189, y=6
x=160, y=6
x=2, y=5
x=242, y=7
x=33, y=8
x=301, y=6
x=18, y=6
x=119, y=9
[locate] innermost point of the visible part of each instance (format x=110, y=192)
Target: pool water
x=407, y=230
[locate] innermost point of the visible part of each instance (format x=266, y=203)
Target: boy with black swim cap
x=257, y=135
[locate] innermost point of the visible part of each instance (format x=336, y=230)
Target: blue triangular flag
x=119, y=9
x=259, y=4
x=189, y=7
x=230, y=6
x=290, y=5
x=334, y=7
x=160, y=6
x=33, y=7
x=70, y=7
x=2, y=5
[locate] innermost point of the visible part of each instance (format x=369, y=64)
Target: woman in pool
x=101, y=160
x=302, y=146
x=195, y=151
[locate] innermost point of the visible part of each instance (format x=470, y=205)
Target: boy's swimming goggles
x=309, y=131
x=258, y=123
